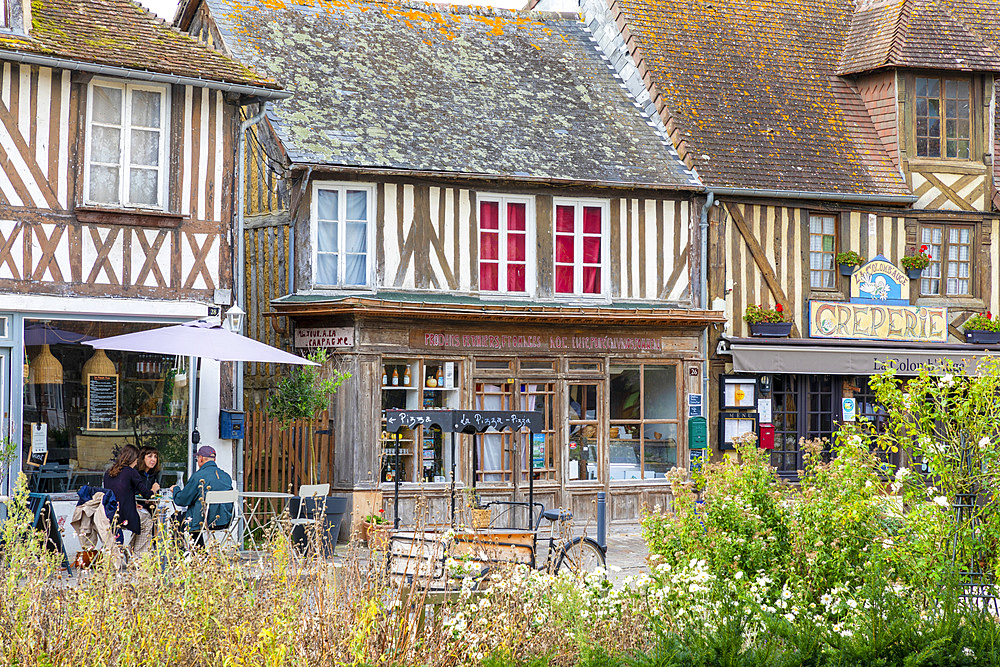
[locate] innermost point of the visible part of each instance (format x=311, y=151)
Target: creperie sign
x=324, y=337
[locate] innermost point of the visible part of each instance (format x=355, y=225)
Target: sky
x=165, y=8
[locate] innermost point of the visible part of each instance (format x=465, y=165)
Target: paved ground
x=628, y=552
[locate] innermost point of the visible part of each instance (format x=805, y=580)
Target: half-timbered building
x=472, y=210
x=820, y=127
x=117, y=156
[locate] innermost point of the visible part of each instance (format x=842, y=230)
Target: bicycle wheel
x=581, y=556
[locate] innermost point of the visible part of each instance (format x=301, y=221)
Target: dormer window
x=943, y=117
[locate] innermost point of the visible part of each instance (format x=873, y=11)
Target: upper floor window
x=4, y=15
x=822, y=250
x=581, y=254
x=126, y=145
x=341, y=234
x=942, y=116
x=504, y=246
x=950, y=250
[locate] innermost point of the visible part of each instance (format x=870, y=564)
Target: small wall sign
x=849, y=409
x=324, y=337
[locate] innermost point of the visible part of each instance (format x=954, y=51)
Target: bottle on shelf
x=406, y=377
x=440, y=376
x=385, y=376
x=395, y=377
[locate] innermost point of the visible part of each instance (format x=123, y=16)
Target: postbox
x=766, y=440
x=231, y=425
x=697, y=433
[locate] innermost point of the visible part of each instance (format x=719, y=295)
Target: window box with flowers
x=915, y=264
x=982, y=329
x=767, y=322
x=848, y=262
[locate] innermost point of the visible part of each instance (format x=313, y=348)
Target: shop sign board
x=535, y=342
x=870, y=321
x=324, y=337
x=879, y=281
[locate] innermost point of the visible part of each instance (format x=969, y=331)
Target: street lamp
x=234, y=319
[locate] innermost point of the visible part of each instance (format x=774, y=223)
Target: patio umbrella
x=46, y=334
x=199, y=339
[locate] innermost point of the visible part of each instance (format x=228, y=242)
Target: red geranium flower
x=989, y=315
x=923, y=248
x=779, y=308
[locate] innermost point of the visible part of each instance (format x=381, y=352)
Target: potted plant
x=376, y=529
x=848, y=261
x=767, y=322
x=915, y=264
x=982, y=329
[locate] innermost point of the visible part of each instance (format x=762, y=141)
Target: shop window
x=869, y=409
x=822, y=250
x=82, y=405
x=494, y=452
x=582, y=423
x=950, y=269
x=505, y=245
x=580, y=252
x=126, y=144
x=418, y=384
x=342, y=234
x=643, y=400
x=538, y=397
x=942, y=117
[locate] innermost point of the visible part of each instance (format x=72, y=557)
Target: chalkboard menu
x=102, y=402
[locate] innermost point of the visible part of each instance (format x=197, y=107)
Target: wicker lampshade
x=45, y=368
x=98, y=364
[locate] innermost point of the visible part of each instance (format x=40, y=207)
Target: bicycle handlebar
x=522, y=503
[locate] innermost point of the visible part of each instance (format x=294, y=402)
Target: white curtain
x=491, y=442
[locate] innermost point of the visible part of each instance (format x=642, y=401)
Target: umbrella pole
x=195, y=436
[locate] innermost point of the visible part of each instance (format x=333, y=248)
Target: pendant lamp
x=45, y=368
x=98, y=364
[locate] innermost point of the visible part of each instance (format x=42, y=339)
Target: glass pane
x=564, y=279
x=145, y=109
x=326, y=236
x=659, y=450
x=625, y=451
x=591, y=280
x=564, y=218
x=582, y=452
x=827, y=244
x=326, y=269
x=515, y=278
x=592, y=249
x=104, y=184
x=489, y=215
x=515, y=216
x=591, y=220
x=515, y=247
x=357, y=205
x=624, y=393
x=489, y=277
x=582, y=402
x=564, y=249
x=144, y=187
x=327, y=205
x=660, y=399
x=145, y=148
x=489, y=245
x=355, y=270
x=107, y=105
x=357, y=237
x=105, y=145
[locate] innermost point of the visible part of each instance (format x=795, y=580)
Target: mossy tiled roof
x=933, y=34
x=752, y=87
x=121, y=33
x=447, y=89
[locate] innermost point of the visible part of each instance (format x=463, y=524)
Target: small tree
x=303, y=394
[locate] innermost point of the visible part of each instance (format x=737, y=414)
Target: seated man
x=209, y=477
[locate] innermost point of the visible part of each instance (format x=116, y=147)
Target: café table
x=259, y=510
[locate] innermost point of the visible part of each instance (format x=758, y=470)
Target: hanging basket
x=914, y=274
x=847, y=269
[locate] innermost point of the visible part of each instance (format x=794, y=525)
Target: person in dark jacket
x=209, y=477
x=149, y=470
x=126, y=483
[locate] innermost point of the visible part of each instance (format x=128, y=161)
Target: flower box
x=847, y=269
x=979, y=337
x=914, y=274
x=771, y=329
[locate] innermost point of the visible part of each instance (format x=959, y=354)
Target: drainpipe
x=704, y=298
x=240, y=260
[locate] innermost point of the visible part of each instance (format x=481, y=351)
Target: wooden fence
x=276, y=456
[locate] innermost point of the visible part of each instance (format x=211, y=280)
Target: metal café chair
x=223, y=536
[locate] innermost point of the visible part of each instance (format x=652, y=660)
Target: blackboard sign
x=45, y=520
x=478, y=421
x=102, y=402
x=396, y=419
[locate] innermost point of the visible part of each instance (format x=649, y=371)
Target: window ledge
x=960, y=302
x=947, y=164
x=131, y=217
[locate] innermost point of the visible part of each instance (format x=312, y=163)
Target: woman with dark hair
x=149, y=470
x=126, y=483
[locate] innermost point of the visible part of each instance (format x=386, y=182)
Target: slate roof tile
x=122, y=33
x=751, y=85
x=448, y=89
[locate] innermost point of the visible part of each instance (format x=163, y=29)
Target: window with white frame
x=580, y=247
x=342, y=232
x=127, y=144
x=505, y=245
x=4, y=15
